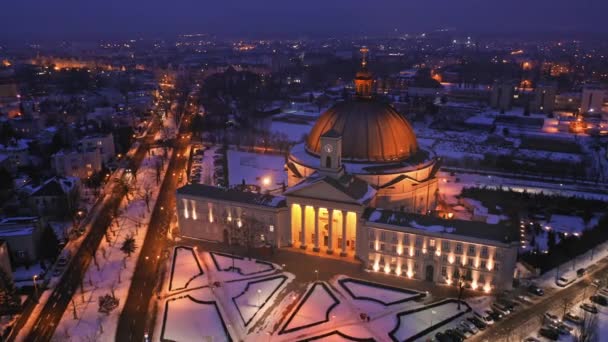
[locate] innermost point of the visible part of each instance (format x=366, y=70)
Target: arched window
x=328, y=162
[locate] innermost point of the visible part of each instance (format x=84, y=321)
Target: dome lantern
x=363, y=79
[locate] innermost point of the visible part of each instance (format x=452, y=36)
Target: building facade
x=80, y=163
x=104, y=142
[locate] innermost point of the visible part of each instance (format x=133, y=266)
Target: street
x=44, y=326
x=135, y=315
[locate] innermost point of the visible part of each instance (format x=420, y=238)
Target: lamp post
x=317, y=274
x=259, y=291
x=461, y=284
x=35, y=287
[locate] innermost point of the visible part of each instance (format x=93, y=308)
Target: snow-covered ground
x=186, y=271
x=254, y=305
x=194, y=316
x=113, y=275
x=294, y=131
x=265, y=170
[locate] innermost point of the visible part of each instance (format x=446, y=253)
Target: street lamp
x=259, y=291
x=35, y=287
x=317, y=274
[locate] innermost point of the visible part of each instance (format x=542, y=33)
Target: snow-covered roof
x=207, y=191
x=410, y=222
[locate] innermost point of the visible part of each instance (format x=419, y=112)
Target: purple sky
x=81, y=18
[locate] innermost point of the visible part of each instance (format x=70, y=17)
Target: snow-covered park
x=233, y=298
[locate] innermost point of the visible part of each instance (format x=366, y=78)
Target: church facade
x=360, y=188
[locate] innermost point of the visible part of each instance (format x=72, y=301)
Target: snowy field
x=243, y=266
x=265, y=170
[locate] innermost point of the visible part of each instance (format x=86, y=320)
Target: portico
x=322, y=229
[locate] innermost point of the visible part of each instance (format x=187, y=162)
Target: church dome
x=371, y=132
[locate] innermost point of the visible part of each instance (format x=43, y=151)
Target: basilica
x=359, y=188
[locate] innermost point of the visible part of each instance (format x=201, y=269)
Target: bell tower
x=364, y=79
x=331, y=154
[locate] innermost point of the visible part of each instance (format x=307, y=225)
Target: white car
x=564, y=281
x=487, y=319
x=500, y=309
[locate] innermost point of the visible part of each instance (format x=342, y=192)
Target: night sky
x=108, y=18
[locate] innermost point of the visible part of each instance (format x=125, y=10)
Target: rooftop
x=502, y=233
x=355, y=188
x=207, y=191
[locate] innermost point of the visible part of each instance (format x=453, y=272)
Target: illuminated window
x=271, y=228
x=432, y=242
x=459, y=248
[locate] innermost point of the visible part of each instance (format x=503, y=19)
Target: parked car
x=508, y=304
x=463, y=332
x=589, y=308
x=580, y=272
x=453, y=335
x=564, y=281
x=524, y=299
x=549, y=333
x=470, y=327
x=550, y=318
x=573, y=318
x=478, y=323
x=487, y=319
x=536, y=290
x=496, y=316
x=596, y=282
x=599, y=299
x=500, y=309
x=441, y=337
x=564, y=328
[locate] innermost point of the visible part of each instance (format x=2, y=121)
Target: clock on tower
x=331, y=152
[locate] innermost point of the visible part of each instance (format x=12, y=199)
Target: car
x=478, y=323
x=453, y=335
x=62, y=261
x=603, y=291
x=523, y=299
x=500, y=309
x=599, y=299
x=573, y=318
x=441, y=337
x=536, y=290
x=564, y=329
x=550, y=318
x=496, y=316
x=468, y=326
x=580, y=272
x=57, y=271
x=507, y=303
x=463, y=332
x=589, y=308
x=487, y=319
x=596, y=282
x=548, y=333
x=564, y=281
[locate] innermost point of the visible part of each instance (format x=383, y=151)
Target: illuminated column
x=185, y=201
x=303, y=227
x=193, y=205
x=330, y=244
x=344, y=214
x=315, y=217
